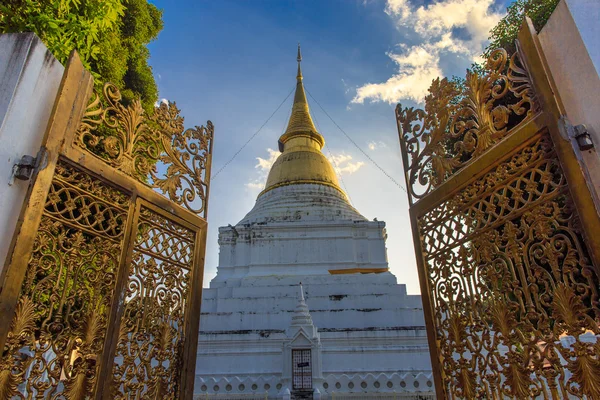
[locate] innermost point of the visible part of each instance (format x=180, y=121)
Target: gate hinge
x=23, y=169
x=580, y=133
x=584, y=140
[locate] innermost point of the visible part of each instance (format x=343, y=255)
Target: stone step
x=334, y=302
x=363, y=318
x=310, y=290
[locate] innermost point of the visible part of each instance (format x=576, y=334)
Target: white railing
x=387, y=396
x=324, y=396
x=225, y=396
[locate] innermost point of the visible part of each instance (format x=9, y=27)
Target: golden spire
x=301, y=123
x=299, y=75
x=302, y=161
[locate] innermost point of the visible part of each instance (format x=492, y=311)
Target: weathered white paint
x=586, y=14
x=299, y=230
x=371, y=334
x=29, y=81
x=570, y=43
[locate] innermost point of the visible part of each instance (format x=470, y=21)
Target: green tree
x=504, y=34
x=109, y=35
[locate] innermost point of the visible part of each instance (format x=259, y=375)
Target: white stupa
x=348, y=328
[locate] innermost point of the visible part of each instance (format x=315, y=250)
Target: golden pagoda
x=301, y=160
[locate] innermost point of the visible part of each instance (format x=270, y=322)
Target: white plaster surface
x=369, y=335
x=571, y=44
x=29, y=81
x=299, y=230
x=586, y=14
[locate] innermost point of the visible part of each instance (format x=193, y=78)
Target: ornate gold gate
x=101, y=294
x=506, y=234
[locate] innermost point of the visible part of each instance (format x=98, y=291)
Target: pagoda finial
x=299, y=58
x=302, y=162
x=301, y=123
x=301, y=293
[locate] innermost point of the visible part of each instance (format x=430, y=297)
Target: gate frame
x=73, y=95
x=549, y=119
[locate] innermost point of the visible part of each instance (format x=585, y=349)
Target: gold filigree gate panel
x=59, y=326
x=505, y=235
x=151, y=334
x=101, y=294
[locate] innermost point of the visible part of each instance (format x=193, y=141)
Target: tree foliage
x=504, y=34
x=109, y=35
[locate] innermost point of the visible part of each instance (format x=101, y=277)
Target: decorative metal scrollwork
x=154, y=149
x=514, y=295
x=58, y=330
x=459, y=124
x=100, y=283
x=151, y=336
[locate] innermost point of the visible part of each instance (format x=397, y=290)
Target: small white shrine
x=303, y=304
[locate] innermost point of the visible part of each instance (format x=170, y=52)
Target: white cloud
x=435, y=26
x=376, y=145
x=161, y=101
x=343, y=164
x=256, y=185
x=400, y=8
x=264, y=166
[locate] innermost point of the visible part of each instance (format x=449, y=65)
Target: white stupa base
x=372, y=335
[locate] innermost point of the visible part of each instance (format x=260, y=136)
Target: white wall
x=368, y=326
x=571, y=43
x=29, y=81
x=299, y=248
x=586, y=14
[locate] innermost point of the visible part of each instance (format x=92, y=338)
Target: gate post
x=29, y=80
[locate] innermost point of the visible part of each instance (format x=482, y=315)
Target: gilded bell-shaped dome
x=301, y=160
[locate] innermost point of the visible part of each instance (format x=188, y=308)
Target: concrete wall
x=370, y=329
x=586, y=14
x=351, y=301
x=299, y=248
x=570, y=41
x=29, y=81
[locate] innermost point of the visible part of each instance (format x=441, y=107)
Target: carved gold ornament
x=514, y=294
x=460, y=124
x=148, y=359
x=101, y=294
x=154, y=149
x=57, y=335
x=58, y=330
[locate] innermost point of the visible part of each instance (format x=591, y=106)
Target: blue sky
x=234, y=62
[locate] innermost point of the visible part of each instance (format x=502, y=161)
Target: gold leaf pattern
x=154, y=149
x=510, y=277
x=440, y=139
x=586, y=370
x=60, y=322
x=151, y=333
x=9, y=383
